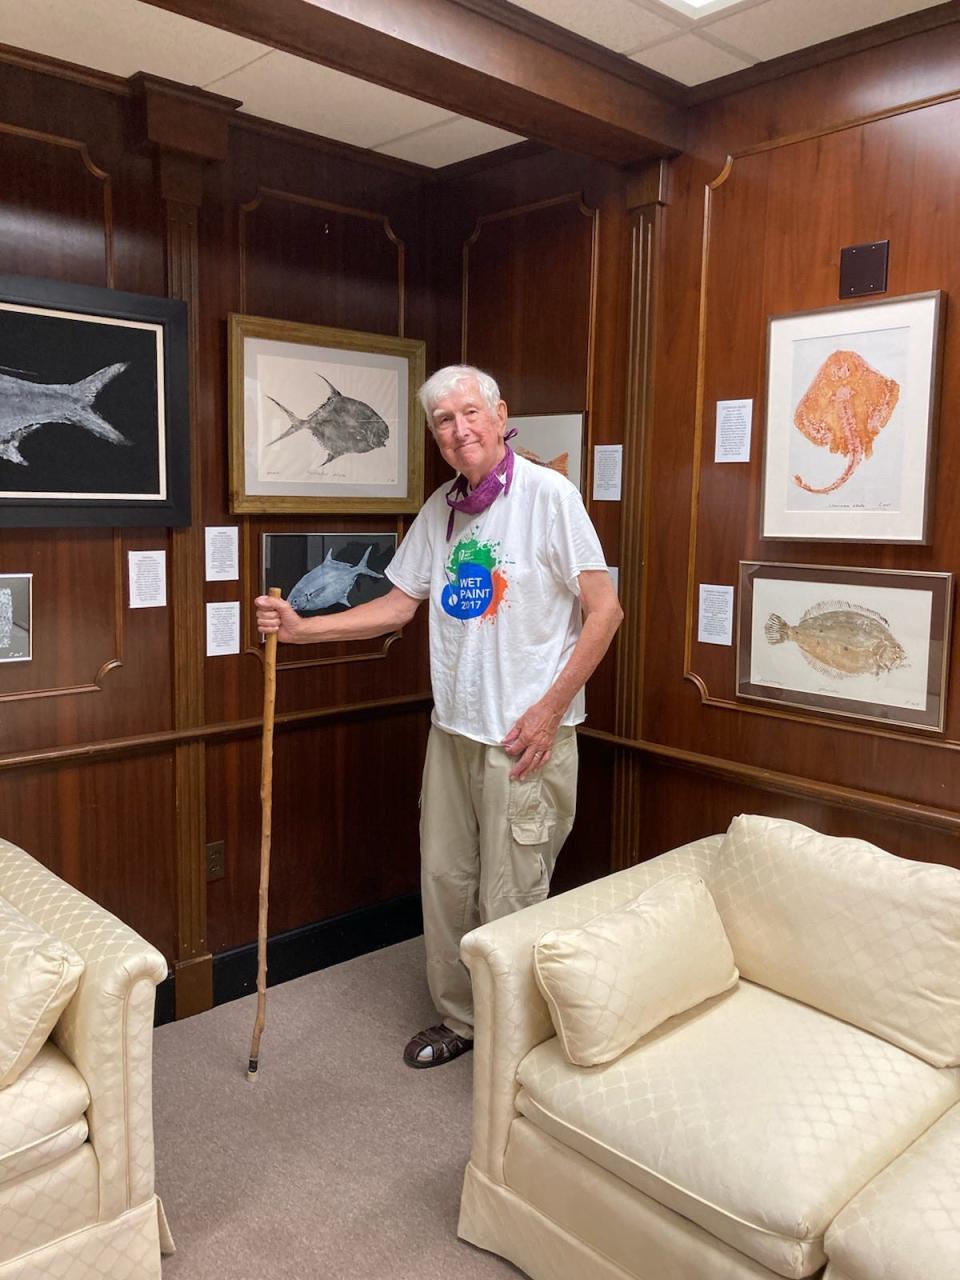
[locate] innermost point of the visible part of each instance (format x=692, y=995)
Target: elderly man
x=522, y=609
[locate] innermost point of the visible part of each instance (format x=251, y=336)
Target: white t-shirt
x=504, y=598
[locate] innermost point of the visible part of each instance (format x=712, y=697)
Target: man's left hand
x=531, y=738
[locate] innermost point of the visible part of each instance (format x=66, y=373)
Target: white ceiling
x=691, y=41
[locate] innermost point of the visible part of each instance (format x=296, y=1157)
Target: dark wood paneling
x=826, y=158
x=344, y=823
x=107, y=828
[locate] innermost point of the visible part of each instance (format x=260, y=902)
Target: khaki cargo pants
x=487, y=847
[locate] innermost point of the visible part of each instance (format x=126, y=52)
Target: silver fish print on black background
x=340, y=425
x=329, y=583
x=26, y=406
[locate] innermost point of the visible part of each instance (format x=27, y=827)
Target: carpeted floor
x=340, y=1161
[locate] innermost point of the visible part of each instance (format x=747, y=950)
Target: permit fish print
x=329, y=583
x=26, y=406
x=339, y=424
x=840, y=639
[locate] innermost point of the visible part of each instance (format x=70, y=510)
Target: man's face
x=468, y=435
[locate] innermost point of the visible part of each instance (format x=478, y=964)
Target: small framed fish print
x=872, y=644
x=852, y=397
x=555, y=440
x=323, y=420
x=94, y=415
x=321, y=573
x=16, y=596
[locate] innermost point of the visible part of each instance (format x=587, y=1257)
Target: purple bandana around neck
x=473, y=501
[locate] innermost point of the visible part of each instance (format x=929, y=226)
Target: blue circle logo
x=470, y=595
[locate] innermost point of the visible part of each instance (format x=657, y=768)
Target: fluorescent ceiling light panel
x=699, y=8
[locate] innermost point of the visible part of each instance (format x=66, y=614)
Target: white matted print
x=555, y=440
x=16, y=617
x=859, y=642
x=851, y=403
x=323, y=419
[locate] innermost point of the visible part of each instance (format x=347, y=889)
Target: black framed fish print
x=323, y=420
x=871, y=644
x=851, y=408
x=323, y=573
x=94, y=410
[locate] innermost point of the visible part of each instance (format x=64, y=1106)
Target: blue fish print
x=329, y=583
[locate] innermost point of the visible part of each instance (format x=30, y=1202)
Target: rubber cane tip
x=252, y=1071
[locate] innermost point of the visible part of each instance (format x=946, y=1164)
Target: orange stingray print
x=844, y=409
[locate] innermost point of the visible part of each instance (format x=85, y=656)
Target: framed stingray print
x=323, y=420
x=872, y=644
x=850, y=415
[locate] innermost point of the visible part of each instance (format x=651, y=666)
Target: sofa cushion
x=621, y=974
x=38, y=975
x=841, y=925
x=42, y=1114
x=754, y=1116
x=905, y=1224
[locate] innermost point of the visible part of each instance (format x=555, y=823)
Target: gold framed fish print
x=870, y=644
x=323, y=420
x=555, y=440
x=851, y=407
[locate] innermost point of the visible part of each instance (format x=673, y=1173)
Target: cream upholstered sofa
x=77, y=1195
x=805, y=1115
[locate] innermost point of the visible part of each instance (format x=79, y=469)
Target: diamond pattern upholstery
x=752, y=1115
x=41, y=1114
x=905, y=1225
x=615, y=978
x=848, y=928
x=735, y=1169
x=106, y=1034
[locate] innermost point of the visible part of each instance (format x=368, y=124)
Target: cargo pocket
x=527, y=878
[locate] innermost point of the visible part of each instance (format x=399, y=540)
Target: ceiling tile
x=781, y=26
x=691, y=60
x=124, y=36
x=455, y=139
x=620, y=25
x=293, y=91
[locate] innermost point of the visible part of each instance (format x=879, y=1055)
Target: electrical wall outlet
x=216, y=868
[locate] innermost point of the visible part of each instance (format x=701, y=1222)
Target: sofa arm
x=510, y=1015
x=107, y=1028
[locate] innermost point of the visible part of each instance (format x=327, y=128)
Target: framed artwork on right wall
x=851, y=408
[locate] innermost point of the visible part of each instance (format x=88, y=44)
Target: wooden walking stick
x=266, y=811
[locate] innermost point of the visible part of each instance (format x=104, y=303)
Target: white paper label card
x=716, y=615
x=223, y=628
x=607, y=468
x=148, y=579
x=222, y=543
x=734, y=422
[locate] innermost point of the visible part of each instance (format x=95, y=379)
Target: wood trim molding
x=784, y=783
x=101, y=175
x=575, y=197
x=369, y=215
x=706, y=698
x=112, y=748
x=467, y=62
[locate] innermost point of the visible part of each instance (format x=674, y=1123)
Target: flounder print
x=838, y=638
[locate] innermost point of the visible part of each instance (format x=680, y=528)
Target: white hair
x=445, y=381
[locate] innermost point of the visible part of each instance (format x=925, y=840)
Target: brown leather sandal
x=444, y=1046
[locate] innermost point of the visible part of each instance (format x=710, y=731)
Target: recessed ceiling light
x=699, y=8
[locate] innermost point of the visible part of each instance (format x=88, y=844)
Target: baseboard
x=305, y=950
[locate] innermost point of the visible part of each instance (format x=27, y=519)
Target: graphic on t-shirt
x=477, y=585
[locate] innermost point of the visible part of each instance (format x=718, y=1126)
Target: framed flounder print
x=323, y=420
x=851, y=408
x=871, y=644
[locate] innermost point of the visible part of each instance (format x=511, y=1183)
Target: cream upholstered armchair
x=77, y=992
x=737, y=1061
